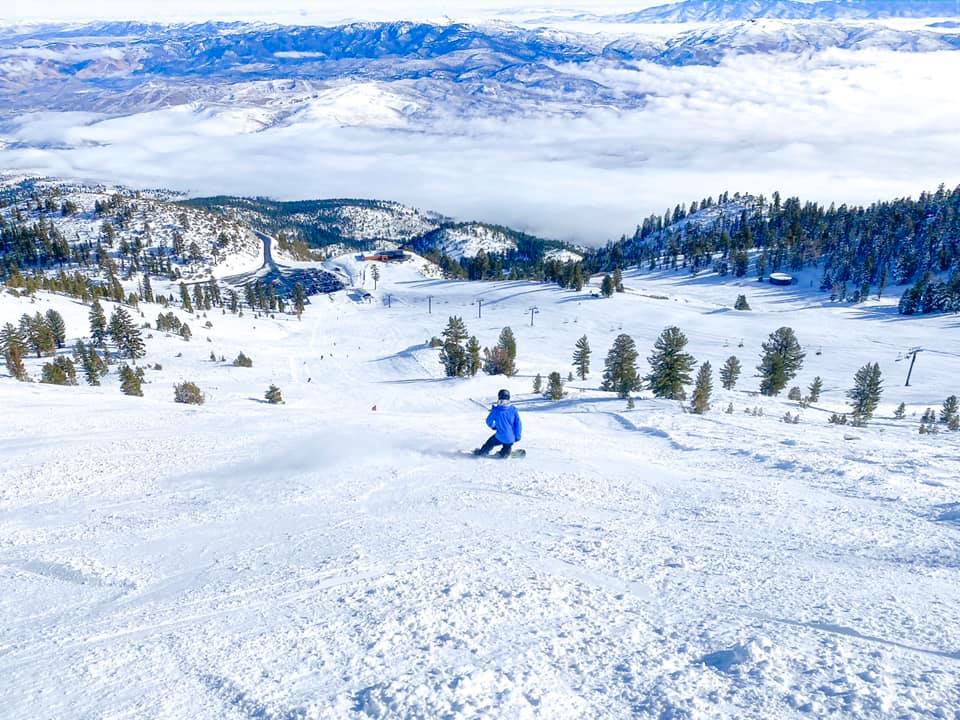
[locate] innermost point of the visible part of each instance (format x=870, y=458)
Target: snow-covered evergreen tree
x=865, y=393
x=782, y=359
x=453, y=353
x=273, y=395
x=474, y=362
x=299, y=299
x=730, y=372
x=949, y=412
x=61, y=371
x=700, y=400
x=130, y=381
x=581, y=357
x=620, y=371
x=607, y=288
x=125, y=334
x=98, y=324
x=814, y=390
x=670, y=366
x=555, y=386
x=57, y=326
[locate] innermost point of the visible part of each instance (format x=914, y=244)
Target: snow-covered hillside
x=465, y=240
x=727, y=10
x=336, y=557
x=199, y=243
x=563, y=256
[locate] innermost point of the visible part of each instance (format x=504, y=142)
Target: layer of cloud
x=838, y=126
x=296, y=11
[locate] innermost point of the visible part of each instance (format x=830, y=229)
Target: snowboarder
x=505, y=421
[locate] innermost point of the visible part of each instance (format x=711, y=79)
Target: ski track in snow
x=322, y=560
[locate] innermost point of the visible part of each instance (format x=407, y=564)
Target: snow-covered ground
x=466, y=240
x=335, y=557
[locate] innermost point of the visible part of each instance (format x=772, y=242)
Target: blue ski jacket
x=506, y=421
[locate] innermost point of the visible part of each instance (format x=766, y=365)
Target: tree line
x=859, y=251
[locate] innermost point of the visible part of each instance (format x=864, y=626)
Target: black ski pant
x=492, y=442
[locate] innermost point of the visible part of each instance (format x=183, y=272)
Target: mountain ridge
x=728, y=10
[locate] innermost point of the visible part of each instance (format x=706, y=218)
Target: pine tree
x=185, y=332
x=795, y=394
x=500, y=360
x=57, y=327
x=581, y=357
x=782, y=359
x=11, y=337
x=741, y=303
x=147, y=289
x=453, y=354
x=273, y=395
x=299, y=299
x=375, y=274
x=125, y=334
x=93, y=365
x=185, y=298
x=13, y=358
x=497, y=361
x=949, y=411
x=607, y=287
x=537, y=384
x=730, y=372
x=576, y=277
x=98, y=324
x=700, y=400
x=617, y=280
x=555, y=386
x=474, y=363
x=620, y=369
x=508, y=342
x=242, y=361
x=188, y=392
x=13, y=348
x=900, y=412
x=814, y=390
x=130, y=381
x=37, y=334
x=866, y=392
x=59, y=372
x=669, y=366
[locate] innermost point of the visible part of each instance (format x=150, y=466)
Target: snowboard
x=515, y=455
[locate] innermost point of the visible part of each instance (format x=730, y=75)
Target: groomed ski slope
x=321, y=559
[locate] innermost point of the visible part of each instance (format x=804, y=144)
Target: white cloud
x=297, y=11
x=838, y=126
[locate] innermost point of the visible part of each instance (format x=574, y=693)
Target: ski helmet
x=503, y=394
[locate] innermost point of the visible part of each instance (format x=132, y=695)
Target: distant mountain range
x=732, y=10
x=398, y=70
